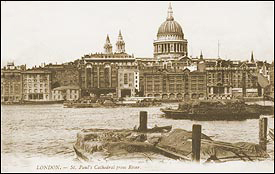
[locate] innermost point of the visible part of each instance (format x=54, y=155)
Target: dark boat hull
x=82, y=105
x=42, y=102
x=177, y=114
x=264, y=110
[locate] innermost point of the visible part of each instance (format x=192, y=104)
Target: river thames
x=31, y=133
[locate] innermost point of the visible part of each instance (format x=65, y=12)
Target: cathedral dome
x=170, y=27
x=170, y=42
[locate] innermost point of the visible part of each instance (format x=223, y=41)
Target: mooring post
x=196, y=142
x=263, y=132
x=142, y=121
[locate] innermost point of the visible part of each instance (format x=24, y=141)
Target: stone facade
x=197, y=82
x=100, y=71
x=11, y=83
x=227, y=79
x=66, y=93
x=175, y=85
x=67, y=74
x=128, y=82
x=36, y=85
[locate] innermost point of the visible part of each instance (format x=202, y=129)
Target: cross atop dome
x=170, y=13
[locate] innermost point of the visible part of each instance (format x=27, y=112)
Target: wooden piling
x=196, y=142
x=263, y=132
x=142, y=121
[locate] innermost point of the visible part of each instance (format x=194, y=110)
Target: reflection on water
x=35, y=131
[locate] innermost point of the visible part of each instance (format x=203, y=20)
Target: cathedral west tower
x=108, y=46
x=120, y=44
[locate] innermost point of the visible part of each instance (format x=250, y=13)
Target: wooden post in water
x=196, y=142
x=142, y=121
x=263, y=132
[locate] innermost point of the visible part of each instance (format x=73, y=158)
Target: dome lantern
x=170, y=13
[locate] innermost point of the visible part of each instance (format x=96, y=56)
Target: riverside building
x=110, y=72
x=11, y=83
x=36, y=85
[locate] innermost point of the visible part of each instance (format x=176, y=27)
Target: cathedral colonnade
x=176, y=47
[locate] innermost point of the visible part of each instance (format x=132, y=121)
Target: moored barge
x=217, y=110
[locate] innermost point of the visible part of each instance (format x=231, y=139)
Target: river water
x=48, y=132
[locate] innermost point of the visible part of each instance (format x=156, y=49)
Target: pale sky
x=37, y=32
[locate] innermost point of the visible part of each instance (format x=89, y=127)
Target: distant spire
x=170, y=13
x=107, y=39
x=201, y=56
x=252, y=57
x=120, y=38
x=108, y=46
x=120, y=44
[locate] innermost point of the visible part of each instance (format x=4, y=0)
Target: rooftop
x=111, y=55
x=36, y=71
x=66, y=87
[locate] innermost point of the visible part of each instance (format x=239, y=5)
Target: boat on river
x=217, y=110
x=32, y=102
x=40, y=102
x=82, y=104
x=126, y=102
x=139, y=102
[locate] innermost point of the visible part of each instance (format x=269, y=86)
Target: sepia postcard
x=137, y=86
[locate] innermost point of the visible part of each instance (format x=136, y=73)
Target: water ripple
x=50, y=130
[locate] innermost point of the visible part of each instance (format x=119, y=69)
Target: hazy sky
x=37, y=32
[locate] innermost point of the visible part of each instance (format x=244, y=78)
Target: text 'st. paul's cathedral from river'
x=170, y=43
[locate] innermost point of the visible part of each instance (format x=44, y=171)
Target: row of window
x=11, y=92
x=35, y=85
x=71, y=96
x=35, y=76
x=10, y=86
x=35, y=91
x=35, y=80
x=72, y=91
x=35, y=96
x=173, y=90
